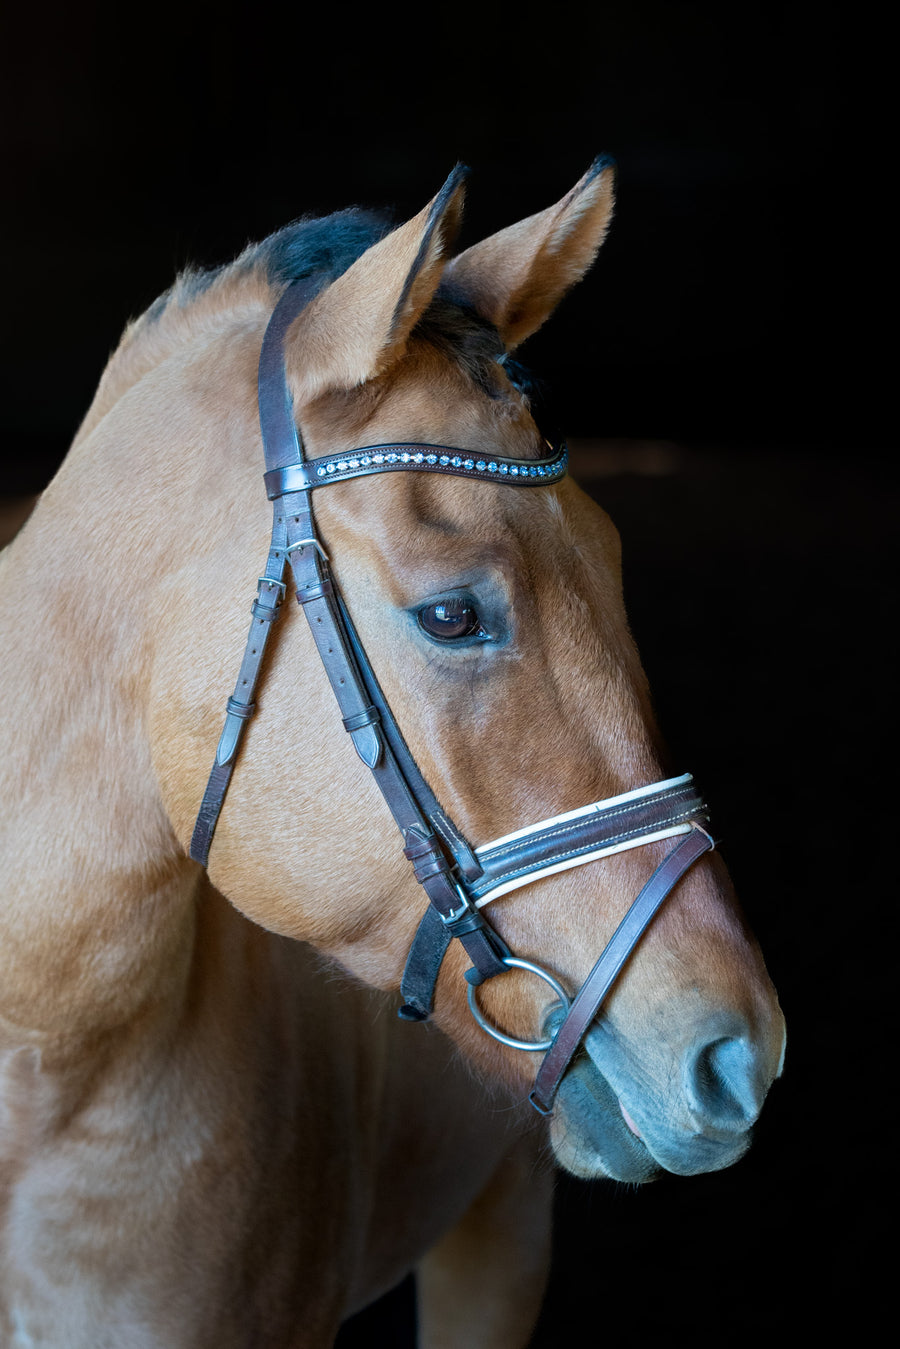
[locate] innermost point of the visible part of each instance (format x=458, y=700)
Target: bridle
x=458, y=879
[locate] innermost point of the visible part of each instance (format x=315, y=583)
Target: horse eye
x=448, y=620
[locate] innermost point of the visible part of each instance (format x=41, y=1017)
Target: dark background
x=724, y=378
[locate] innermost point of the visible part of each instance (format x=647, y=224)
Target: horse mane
x=203, y=301
x=313, y=245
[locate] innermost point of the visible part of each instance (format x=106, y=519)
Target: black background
x=724, y=376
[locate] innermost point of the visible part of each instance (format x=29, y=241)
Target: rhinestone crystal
x=512, y=469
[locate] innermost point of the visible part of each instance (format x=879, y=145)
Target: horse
x=215, y=1129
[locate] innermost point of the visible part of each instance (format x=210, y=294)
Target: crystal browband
x=299, y=477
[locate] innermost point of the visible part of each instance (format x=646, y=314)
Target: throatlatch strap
x=240, y=706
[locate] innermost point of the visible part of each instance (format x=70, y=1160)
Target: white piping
x=530, y=876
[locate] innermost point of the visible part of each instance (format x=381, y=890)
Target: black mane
x=332, y=244
x=328, y=246
x=320, y=245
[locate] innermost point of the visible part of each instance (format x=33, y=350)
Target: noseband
x=458, y=879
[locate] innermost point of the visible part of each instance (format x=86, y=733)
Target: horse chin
x=589, y=1133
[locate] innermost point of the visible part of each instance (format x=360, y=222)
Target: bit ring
x=532, y=1046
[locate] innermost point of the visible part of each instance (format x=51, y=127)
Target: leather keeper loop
x=315, y=592
x=418, y=847
x=432, y=866
x=291, y=478
x=360, y=719
x=265, y=612
x=243, y=710
x=468, y=922
x=427, y=857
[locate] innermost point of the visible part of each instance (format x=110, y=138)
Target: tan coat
x=214, y=1133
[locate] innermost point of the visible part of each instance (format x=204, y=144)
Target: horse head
x=494, y=621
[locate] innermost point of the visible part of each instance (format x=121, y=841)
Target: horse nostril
x=724, y=1084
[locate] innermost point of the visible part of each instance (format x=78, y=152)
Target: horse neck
x=91, y=861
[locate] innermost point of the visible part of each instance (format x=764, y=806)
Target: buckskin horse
x=215, y=1129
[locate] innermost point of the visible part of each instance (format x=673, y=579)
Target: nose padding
x=645, y=815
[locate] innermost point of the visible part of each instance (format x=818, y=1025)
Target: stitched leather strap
x=608, y=968
x=616, y=826
x=330, y=630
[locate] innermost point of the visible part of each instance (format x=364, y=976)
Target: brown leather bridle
x=458, y=879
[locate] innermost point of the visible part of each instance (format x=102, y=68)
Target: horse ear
x=358, y=326
x=516, y=278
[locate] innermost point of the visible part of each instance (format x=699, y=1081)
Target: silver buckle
x=301, y=543
x=466, y=907
x=271, y=581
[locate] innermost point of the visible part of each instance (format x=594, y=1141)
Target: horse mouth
x=591, y=1132
x=594, y=1136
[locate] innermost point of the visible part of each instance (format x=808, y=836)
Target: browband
x=410, y=457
